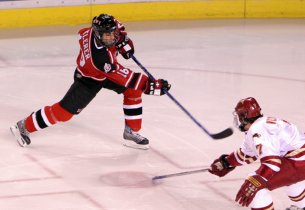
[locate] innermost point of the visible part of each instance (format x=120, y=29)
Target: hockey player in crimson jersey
x=279, y=146
x=97, y=68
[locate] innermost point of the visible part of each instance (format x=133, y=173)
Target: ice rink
x=82, y=164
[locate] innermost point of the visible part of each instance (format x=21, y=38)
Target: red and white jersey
x=99, y=62
x=271, y=139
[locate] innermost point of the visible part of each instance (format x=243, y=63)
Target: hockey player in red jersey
x=279, y=146
x=97, y=68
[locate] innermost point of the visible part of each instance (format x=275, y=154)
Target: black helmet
x=103, y=24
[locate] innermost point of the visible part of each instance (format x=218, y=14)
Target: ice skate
x=292, y=207
x=21, y=134
x=134, y=140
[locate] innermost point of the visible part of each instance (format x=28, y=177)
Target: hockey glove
x=249, y=189
x=221, y=167
x=125, y=46
x=157, y=87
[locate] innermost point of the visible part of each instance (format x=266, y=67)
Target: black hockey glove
x=125, y=46
x=157, y=87
x=220, y=167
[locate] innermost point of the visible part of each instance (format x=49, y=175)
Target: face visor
x=239, y=121
x=108, y=37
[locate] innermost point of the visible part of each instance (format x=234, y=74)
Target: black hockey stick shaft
x=179, y=174
x=223, y=134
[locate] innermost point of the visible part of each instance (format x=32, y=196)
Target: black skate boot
x=21, y=134
x=134, y=139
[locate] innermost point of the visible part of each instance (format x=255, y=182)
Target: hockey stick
x=223, y=134
x=179, y=174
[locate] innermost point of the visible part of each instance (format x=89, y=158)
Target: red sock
x=133, y=109
x=46, y=117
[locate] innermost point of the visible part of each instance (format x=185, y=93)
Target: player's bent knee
x=60, y=114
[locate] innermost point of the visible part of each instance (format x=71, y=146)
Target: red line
x=35, y=194
x=94, y=202
x=83, y=195
x=223, y=180
x=171, y=161
x=54, y=176
x=29, y=179
x=219, y=192
x=33, y=159
x=41, y=165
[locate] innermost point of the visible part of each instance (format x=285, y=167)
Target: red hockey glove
x=249, y=189
x=125, y=46
x=157, y=87
x=221, y=167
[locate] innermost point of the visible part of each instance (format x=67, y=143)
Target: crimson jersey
x=99, y=62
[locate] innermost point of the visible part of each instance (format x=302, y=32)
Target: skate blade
x=15, y=132
x=131, y=144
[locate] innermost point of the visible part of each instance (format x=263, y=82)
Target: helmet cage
x=239, y=121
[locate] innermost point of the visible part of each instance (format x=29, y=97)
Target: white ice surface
x=82, y=165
